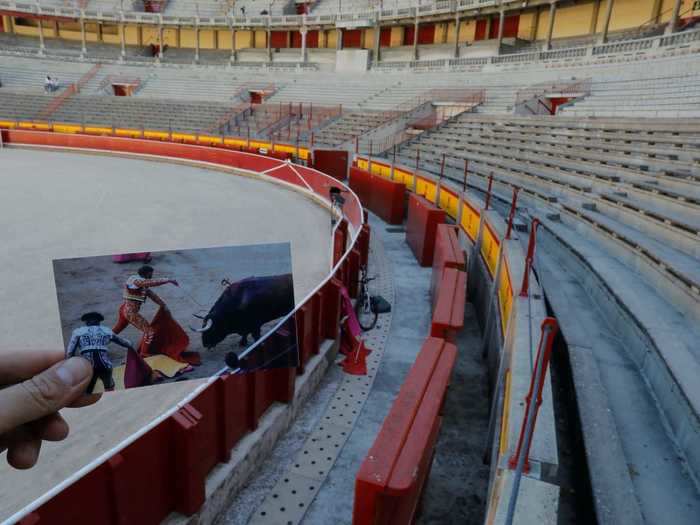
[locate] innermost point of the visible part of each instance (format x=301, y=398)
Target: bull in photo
x=245, y=306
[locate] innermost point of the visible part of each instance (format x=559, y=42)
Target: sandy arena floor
x=62, y=205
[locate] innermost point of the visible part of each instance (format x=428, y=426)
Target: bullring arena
x=521, y=179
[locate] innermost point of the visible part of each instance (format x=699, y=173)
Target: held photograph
x=151, y=318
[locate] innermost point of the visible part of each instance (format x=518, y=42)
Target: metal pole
x=442, y=168
x=466, y=170
x=512, y=212
x=529, y=257
x=549, y=328
x=488, y=192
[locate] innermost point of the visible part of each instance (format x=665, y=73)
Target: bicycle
x=368, y=307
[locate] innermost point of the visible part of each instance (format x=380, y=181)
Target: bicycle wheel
x=365, y=315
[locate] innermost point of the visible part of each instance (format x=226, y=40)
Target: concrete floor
x=456, y=490
x=60, y=205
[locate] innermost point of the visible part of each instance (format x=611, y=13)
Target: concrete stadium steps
x=133, y=112
x=17, y=106
x=349, y=125
x=676, y=96
x=27, y=76
x=329, y=89
x=642, y=208
x=638, y=457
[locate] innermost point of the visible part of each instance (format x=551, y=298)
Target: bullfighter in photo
x=90, y=341
x=136, y=290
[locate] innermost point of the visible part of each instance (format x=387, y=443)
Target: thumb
x=44, y=394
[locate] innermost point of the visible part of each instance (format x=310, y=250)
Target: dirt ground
x=96, y=283
x=456, y=489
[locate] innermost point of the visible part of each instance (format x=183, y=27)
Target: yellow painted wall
x=69, y=35
x=244, y=40
x=630, y=13
x=149, y=35
x=572, y=20
x=223, y=39
x=526, y=26
x=396, y=36
x=260, y=39
x=207, y=39
x=187, y=38
x=369, y=38
x=131, y=34
x=467, y=31
x=331, y=39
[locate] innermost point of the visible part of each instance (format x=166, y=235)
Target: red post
x=312, y=139
x=488, y=192
x=548, y=330
x=512, y=212
x=466, y=169
x=528, y=258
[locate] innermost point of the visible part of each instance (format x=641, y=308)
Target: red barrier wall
x=448, y=253
x=421, y=227
x=164, y=470
x=382, y=196
x=387, y=199
x=390, y=481
x=331, y=162
x=448, y=313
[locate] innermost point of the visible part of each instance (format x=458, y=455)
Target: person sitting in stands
x=48, y=84
x=90, y=341
x=243, y=10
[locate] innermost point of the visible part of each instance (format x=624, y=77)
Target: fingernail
x=73, y=371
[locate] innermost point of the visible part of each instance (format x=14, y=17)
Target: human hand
x=34, y=386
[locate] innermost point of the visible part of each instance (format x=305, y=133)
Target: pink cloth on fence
x=137, y=372
x=128, y=257
x=353, y=324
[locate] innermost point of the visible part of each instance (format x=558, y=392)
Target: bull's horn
x=206, y=326
x=199, y=316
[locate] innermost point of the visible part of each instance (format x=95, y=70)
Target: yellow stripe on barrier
x=176, y=136
x=470, y=221
x=67, y=128
x=362, y=164
x=8, y=124
x=133, y=133
x=489, y=248
x=234, y=142
x=207, y=139
x=449, y=202
x=35, y=125
x=95, y=130
x=503, y=441
x=505, y=296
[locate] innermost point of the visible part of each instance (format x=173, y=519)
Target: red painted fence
x=390, y=481
x=380, y=195
x=421, y=228
x=164, y=469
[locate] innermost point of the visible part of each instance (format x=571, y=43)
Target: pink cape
x=169, y=339
x=128, y=257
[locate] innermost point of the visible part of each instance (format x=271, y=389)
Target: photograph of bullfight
x=164, y=316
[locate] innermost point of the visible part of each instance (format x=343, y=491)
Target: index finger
x=18, y=365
